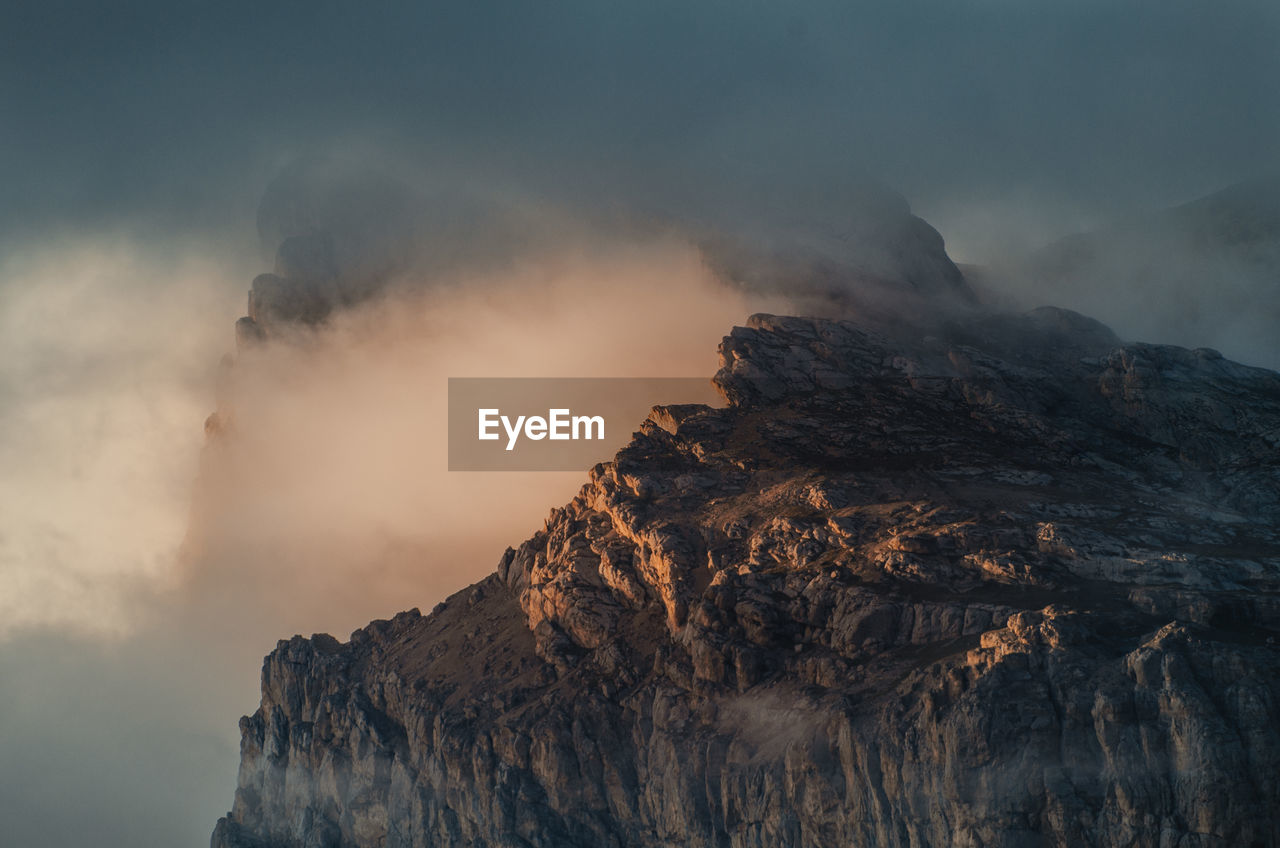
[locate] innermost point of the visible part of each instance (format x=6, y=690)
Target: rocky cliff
x=995, y=582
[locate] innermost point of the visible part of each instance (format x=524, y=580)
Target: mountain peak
x=959, y=584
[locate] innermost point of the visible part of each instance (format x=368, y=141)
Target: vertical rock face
x=1003, y=583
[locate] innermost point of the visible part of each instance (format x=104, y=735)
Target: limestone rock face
x=1002, y=582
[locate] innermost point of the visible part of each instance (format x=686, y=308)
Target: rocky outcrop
x=302, y=291
x=995, y=583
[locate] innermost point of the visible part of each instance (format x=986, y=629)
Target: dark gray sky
x=175, y=115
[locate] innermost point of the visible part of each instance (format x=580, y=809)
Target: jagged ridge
x=994, y=583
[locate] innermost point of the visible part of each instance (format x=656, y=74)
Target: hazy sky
x=172, y=116
x=136, y=140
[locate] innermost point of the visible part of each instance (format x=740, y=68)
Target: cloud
x=177, y=116
x=332, y=475
x=105, y=362
x=1202, y=274
x=326, y=504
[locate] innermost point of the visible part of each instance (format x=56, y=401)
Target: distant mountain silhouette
x=1206, y=273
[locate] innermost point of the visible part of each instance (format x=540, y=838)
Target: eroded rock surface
x=1000, y=582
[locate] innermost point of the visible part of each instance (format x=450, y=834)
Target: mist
x=334, y=467
x=1201, y=274
x=106, y=358
x=530, y=186
x=149, y=570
